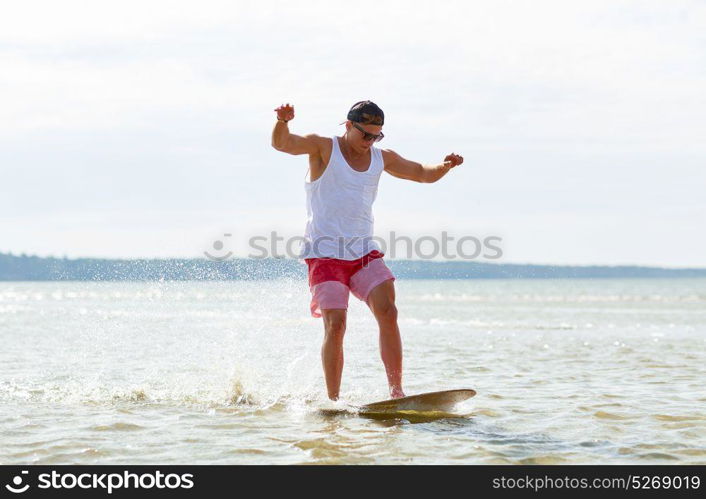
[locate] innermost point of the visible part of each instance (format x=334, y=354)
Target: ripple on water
x=668, y=417
x=661, y=456
x=546, y=460
x=612, y=416
x=485, y=412
x=691, y=452
x=73, y=457
x=247, y=451
x=117, y=427
x=55, y=451
x=685, y=425
x=594, y=443
x=321, y=449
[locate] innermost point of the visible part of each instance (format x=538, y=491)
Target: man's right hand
x=285, y=112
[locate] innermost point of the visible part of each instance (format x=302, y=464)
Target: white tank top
x=339, y=207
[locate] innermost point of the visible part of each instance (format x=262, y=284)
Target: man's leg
x=332, y=349
x=381, y=301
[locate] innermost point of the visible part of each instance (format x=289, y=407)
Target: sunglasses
x=367, y=136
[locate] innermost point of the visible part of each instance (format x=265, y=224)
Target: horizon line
x=433, y=261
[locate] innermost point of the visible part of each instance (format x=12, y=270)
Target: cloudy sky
x=142, y=129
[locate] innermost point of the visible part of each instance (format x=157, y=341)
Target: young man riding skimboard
x=339, y=249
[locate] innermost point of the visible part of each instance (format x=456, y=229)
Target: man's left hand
x=453, y=160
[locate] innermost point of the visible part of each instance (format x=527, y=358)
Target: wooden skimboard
x=420, y=407
x=443, y=401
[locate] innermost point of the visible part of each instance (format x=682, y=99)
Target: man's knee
x=335, y=324
x=386, y=312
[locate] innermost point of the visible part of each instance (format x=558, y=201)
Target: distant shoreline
x=34, y=268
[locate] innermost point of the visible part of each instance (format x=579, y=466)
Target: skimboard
x=431, y=405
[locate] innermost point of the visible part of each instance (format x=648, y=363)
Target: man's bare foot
x=396, y=393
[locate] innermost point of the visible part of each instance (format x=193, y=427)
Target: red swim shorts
x=331, y=279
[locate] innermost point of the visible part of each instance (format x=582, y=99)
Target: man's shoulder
x=388, y=155
x=319, y=138
x=323, y=143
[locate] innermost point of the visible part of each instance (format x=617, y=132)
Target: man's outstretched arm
x=284, y=141
x=399, y=167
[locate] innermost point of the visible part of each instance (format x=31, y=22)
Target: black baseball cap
x=367, y=113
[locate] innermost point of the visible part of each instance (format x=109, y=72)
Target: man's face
x=362, y=137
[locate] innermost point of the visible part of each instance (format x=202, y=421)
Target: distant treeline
x=33, y=268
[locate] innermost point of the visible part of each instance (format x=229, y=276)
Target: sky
x=142, y=129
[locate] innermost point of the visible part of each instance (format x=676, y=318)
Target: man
x=340, y=254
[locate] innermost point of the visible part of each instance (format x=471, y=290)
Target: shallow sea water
x=567, y=372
